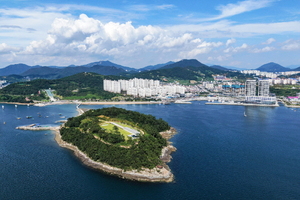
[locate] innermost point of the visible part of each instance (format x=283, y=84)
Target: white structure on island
x=142, y=87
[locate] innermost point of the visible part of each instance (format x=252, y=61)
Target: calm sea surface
x=220, y=155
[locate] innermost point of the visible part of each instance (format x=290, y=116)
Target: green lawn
x=108, y=126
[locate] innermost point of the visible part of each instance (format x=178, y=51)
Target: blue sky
x=242, y=34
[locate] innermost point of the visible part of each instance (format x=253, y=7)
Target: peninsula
x=124, y=143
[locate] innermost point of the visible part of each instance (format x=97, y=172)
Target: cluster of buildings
x=143, y=87
x=2, y=83
x=273, y=77
x=283, y=81
x=258, y=92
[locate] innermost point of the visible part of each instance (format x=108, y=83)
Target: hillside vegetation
x=79, y=86
x=86, y=133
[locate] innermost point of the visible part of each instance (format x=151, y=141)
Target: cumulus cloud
x=236, y=49
x=5, y=49
x=269, y=41
x=202, y=48
x=219, y=58
x=230, y=41
x=92, y=36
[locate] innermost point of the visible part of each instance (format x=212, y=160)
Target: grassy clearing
x=109, y=127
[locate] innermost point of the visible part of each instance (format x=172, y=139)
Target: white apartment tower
x=251, y=88
x=263, y=88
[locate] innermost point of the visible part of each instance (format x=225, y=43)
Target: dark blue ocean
x=221, y=154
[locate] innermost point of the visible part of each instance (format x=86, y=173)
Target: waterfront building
x=250, y=88
x=260, y=100
x=263, y=88
x=142, y=87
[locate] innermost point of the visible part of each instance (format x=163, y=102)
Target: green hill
x=86, y=133
x=187, y=70
x=78, y=86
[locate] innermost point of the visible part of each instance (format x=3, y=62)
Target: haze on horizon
x=242, y=34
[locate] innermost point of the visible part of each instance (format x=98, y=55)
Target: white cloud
x=6, y=49
x=265, y=49
x=269, y=41
x=219, y=58
x=203, y=48
x=91, y=36
x=230, y=41
x=146, y=8
x=291, y=45
x=240, y=7
x=236, y=49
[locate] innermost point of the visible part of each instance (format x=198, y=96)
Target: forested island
x=121, y=142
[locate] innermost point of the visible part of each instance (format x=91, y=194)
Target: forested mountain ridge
x=78, y=86
x=55, y=73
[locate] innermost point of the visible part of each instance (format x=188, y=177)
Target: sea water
x=221, y=154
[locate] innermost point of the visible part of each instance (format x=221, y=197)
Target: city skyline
x=243, y=34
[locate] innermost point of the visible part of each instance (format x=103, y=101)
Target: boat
x=245, y=114
x=28, y=117
x=16, y=106
x=18, y=117
x=2, y=107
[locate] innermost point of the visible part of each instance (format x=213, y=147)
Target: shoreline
x=157, y=174
x=243, y=104
x=138, y=103
x=163, y=174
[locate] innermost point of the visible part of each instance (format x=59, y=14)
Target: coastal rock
x=157, y=174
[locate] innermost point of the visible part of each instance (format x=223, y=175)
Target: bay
x=221, y=154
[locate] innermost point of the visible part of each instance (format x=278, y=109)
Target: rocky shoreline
x=158, y=174
x=161, y=173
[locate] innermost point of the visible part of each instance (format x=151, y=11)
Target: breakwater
x=35, y=127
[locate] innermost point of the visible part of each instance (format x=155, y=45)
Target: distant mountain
x=293, y=66
x=296, y=69
x=185, y=63
x=153, y=67
x=273, y=67
x=220, y=68
x=186, y=70
x=54, y=73
x=109, y=64
x=14, y=69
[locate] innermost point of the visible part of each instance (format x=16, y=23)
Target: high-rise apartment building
x=263, y=88
x=251, y=88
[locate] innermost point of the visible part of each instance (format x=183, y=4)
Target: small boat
x=245, y=114
x=28, y=117
x=18, y=117
x=16, y=106
x=2, y=107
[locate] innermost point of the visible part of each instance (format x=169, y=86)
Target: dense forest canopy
x=79, y=86
x=85, y=132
